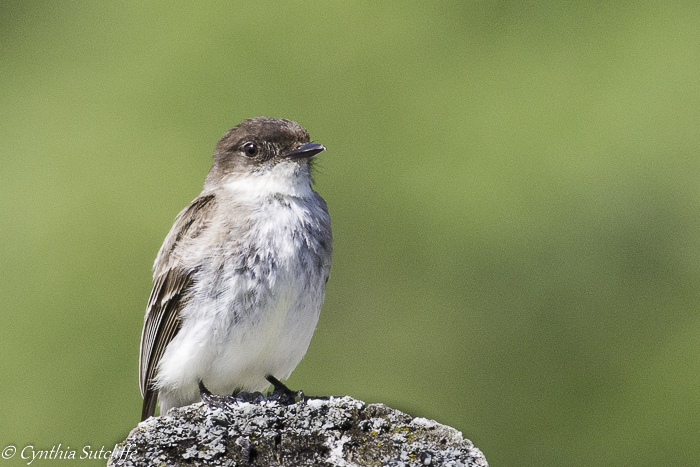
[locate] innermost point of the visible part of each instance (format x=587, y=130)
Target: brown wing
x=161, y=325
x=169, y=296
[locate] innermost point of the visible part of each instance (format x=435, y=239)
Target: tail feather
x=149, y=404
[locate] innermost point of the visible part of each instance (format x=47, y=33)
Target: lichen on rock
x=335, y=431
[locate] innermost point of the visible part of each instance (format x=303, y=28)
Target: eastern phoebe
x=240, y=278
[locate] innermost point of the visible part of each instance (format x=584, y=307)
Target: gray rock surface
x=338, y=431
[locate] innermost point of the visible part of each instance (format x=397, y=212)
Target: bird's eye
x=250, y=149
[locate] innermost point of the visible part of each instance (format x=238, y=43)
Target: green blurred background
x=513, y=186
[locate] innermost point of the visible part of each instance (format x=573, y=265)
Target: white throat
x=283, y=179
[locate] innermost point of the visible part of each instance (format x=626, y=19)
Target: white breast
x=256, y=300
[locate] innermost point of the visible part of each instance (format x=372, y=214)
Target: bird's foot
x=212, y=400
x=280, y=387
x=282, y=393
x=203, y=391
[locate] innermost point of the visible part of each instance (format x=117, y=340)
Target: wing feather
x=169, y=296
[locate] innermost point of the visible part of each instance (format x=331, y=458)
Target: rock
x=335, y=431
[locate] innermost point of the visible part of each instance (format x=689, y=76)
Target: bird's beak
x=304, y=151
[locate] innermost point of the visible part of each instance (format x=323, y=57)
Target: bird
x=239, y=281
